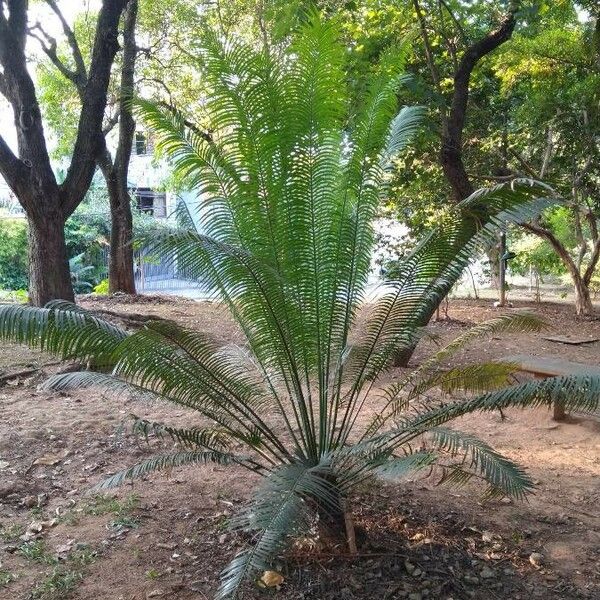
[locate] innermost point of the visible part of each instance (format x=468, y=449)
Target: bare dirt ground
x=166, y=537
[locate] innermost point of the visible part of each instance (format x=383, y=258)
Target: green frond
x=402, y=466
x=514, y=322
x=503, y=475
x=102, y=381
x=578, y=393
x=476, y=378
x=64, y=329
x=167, y=462
x=211, y=438
x=428, y=274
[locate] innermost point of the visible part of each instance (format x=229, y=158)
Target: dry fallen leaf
x=271, y=579
x=51, y=459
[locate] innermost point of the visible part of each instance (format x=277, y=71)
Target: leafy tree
x=291, y=193
x=69, y=63
x=29, y=174
x=552, y=80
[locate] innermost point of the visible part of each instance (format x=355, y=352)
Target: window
x=151, y=202
x=141, y=143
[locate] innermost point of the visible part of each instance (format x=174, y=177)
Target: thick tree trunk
x=121, y=276
x=583, y=300
x=581, y=283
x=120, y=265
x=453, y=124
x=49, y=275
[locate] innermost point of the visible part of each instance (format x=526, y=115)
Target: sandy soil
x=166, y=537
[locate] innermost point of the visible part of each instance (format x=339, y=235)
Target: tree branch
x=89, y=140
x=49, y=47
x=11, y=168
x=451, y=150
x=595, y=256
x=556, y=244
x=72, y=40
x=110, y=123
x=205, y=135
x=426, y=42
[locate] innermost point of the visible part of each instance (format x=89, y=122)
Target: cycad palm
x=291, y=184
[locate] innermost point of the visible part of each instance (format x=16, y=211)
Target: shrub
x=13, y=254
x=102, y=288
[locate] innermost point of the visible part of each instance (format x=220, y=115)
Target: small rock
x=409, y=567
x=4, y=464
x=417, y=573
x=415, y=596
x=155, y=593
x=487, y=573
x=536, y=559
x=29, y=501
x=471, y=579
x=488, y=537
x=171, y=546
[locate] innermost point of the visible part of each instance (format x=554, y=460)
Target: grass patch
x=82, y=556
x=57, y=585
x=37, y=551
x=153, y=574
x=6, y=577
x=65, y=575
x=102, y=504
x=129, y=522
x=11, y=533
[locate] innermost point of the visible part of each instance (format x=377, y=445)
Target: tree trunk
x=121, y=276
x=49, y=275
x=453, y=124
x=581, y=283
x=120, y=266
x=583, y=300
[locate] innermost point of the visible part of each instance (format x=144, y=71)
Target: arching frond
x=515, y=322
x=476, y=378
x=167, y=462
x=402, y=466
x=64, y=329
x=504, y=476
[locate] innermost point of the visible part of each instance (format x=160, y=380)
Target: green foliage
x=13, y=254
x=534, y=253
x=102, y=504
x=102, y=288
x=292, y=175
x=11, y=533
x=6, y=577
x=36, y=551
x=58, y=585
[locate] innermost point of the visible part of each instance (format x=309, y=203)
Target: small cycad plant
x=290, y=184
